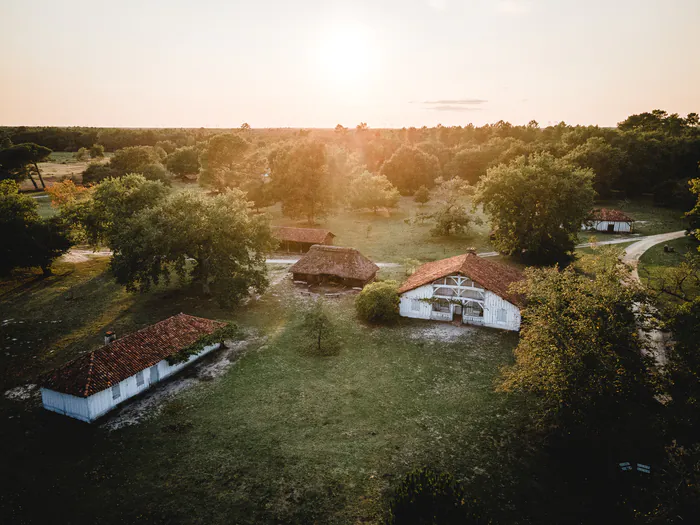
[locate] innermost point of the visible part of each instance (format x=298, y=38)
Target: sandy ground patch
x=440, y=332
x=79, y=255
x=23, y=392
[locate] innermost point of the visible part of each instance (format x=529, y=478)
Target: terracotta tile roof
x=346, y=263
x=100, y=369
x=306, y=235
x=605, y=214
x=493, y=276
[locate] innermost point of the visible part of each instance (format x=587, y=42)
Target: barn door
x=611, y=228
x=155, y=375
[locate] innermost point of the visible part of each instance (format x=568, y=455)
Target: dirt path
x=658, y=340
x=635, y=251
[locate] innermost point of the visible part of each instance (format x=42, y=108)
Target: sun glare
x=346, y=55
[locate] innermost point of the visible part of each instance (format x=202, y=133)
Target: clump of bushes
x=379, y=302
x=429, y=497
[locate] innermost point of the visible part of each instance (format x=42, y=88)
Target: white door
x=155, y=375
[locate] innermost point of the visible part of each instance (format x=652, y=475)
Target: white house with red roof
x=95, y=383
x=466, y=289
x=610, y=221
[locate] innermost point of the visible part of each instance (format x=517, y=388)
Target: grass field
x=282, y=437
x=655, y=267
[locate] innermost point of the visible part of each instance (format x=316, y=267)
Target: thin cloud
x=449, y=107
x=439, y=5
x=462, y=101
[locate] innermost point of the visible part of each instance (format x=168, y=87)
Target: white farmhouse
x=610, y=221
x=465, y=288
x=95, y=383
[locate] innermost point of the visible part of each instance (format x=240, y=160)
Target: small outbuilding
x=466, y=289
x=300, y=240
x=610, y=221
x=334, y=264
x=95, y=383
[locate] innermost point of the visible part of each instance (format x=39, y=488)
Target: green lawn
x=282, y=437
x=656, y=268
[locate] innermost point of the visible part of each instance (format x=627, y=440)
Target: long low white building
x=95, y=383
x=610, y=221
x=466, y=289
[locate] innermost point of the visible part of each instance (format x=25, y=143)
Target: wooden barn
x=299, y=240
x=334, y=264
x=95, y=383
x=466, y=289
x=611, y=221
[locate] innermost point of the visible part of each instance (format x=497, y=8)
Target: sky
x=314, y=64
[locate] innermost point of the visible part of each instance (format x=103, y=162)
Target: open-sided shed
x=334, y=264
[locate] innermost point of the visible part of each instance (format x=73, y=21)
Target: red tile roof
x=98, y=370
x=493, y=276
x=305, y=235
x=605, y=214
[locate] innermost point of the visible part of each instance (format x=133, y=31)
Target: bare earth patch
x=22, y=393
x=441, y=332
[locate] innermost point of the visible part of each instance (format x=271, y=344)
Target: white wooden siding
x=602, y=226
x=492, y=303
x=90, y=408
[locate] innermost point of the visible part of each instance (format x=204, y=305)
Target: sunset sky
x=307, y=63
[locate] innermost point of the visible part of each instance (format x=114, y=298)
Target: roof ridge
x=89, y=372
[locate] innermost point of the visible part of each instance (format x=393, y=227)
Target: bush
x=427, y=497
x=155, y=171
x=97, y=151
x=321, y=337
x=379, y=302
x=81, y=154
x=95, y=173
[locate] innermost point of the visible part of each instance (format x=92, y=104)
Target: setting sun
x=346, y=55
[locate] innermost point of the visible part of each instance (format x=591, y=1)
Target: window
x=116, y=392
x=501, y=315
x=415, y=305
x=441, y=305
x=139, y=378
x=473, y=310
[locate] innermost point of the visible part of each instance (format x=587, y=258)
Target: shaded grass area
x=283, y=437
x=656, y=269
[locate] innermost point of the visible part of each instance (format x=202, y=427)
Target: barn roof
x=346, y=263
x=605, y=214
x=98, y=370
x=306, y=235
x=493, y=276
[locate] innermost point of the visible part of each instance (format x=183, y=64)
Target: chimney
x=109, y=337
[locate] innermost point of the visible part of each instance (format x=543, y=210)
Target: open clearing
x=281, y=436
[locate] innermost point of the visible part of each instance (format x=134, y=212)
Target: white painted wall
x=602, y=226
x=411, y=306
x=90, y=408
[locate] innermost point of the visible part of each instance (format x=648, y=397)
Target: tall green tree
x=21, y=161
x=452, y=214
x=693, y=215
x=216, y=242
x=133, y=159
x=28, y=240
x=299, y=174
x=229, y=161
x=410, y=168
x=184, y=161
x=537, y=205
x=368, y=191
x=579, y=350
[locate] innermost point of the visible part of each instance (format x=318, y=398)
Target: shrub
x=427, y=497
x=378, y=302
x=81, y=154
x=422, y=195
x=97, y=151
x=155, y=171
x=320, y=332
x=95, y=173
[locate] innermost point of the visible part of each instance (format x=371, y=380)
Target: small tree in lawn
x=320, y=332
x=378, y=302
x=422, y=196
x=452, y=215
x=372, y=192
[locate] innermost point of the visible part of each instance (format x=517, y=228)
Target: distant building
x=334, y=264
x=95, y=383
x=467, y=289
x=299, y=240
x=611, y=221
